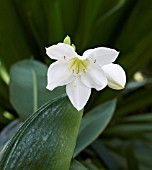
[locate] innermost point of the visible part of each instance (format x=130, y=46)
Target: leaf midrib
x=35, y=91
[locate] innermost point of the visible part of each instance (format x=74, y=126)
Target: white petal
x=94, y=77
x=116, y=76
x=60, y=51
x=58, y=75
x=78, y=93
x=101, y=55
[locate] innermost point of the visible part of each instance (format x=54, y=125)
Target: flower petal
x=78, y=93
x=94, y=77
x=58, y=75
x=116, y=76
x=60, y=51
x=101, y=55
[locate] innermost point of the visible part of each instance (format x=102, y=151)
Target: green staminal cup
x=78, y=66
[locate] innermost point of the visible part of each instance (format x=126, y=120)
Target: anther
x=95, y=61
x=64, y=57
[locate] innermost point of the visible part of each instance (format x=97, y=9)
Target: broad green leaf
x=75, y=165
x=46, y=140
x=93, y=124
x=28, y=80
x=2, y=150
x=9, y=131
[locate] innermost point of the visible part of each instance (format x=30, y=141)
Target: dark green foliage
x=110, y=140
x=44, y=139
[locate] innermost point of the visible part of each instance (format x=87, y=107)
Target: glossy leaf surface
x=46, y=140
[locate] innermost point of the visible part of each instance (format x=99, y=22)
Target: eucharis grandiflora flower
x=94, y=69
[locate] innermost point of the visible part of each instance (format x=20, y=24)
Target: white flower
x=94, y=69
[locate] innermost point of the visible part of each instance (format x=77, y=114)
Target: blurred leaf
x=13, y=41
x=133, y=85
x=3, y=120
x=90, y=165
x=4, y=95
x=142, y=48
x=28, y=87
x=135, y=101
x=9, y=131
x=138, y=45
x=130, y=130
x=143, y=154
x=46, y=140
x=33, y=19
x=93, y=124
x=135, y=26
x=131, y=159
x=109, y=14
x=75, y=165
x=139, y=118
x=53, y=21
x=3, y=89
x=105, y=155
x=87, y=17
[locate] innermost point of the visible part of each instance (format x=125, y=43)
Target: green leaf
x=53, y=20
x=86, y=21
x=134, y=85
x=9, y=131
x=90, y=165
x=139, y=118
x=130, y=130
x=135, y=102
x=110, y=13
x=105, y=155
x=135, y=25
x=13, y=41
x=93, y=124
x=28, y=80
x=131, y=159
x=46, y=140
x=32, y=17
x=75, y=165
x=143, y=154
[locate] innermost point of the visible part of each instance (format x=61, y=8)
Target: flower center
x=78, y=66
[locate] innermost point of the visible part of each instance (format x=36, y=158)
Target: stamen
x=65, y=57
x=95, y=61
